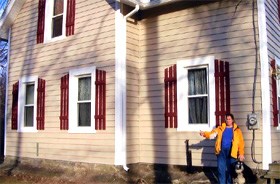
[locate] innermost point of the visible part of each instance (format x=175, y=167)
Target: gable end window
x=56, y=19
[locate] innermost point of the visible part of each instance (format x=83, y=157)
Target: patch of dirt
x=62, y=172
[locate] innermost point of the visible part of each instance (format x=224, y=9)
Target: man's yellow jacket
x=237, y=141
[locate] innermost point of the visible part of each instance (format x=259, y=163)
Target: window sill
x=54, y=39
x=24, y=130
x=82, y=131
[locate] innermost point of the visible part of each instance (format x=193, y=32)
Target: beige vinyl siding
x=133, y=112
x=93, y=44
x=273, y=34
x=218, y=28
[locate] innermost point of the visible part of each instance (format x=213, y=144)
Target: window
x=196, y=94
x=55, y=19
x=82, y=100
x=27, y=104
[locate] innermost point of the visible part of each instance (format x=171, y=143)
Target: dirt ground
x=27, y=171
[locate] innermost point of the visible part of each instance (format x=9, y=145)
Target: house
x=130, y=81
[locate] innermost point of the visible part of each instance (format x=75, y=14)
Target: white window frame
x=182, y=93
x=21, y=103
x=277, y=61
x=73, y=97
x=48, y=21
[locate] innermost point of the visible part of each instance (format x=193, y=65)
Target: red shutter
x=64, y=103
x=41, y=104
x=15, y=107
x=100, y=100
x=70, y=17
x=170, y=95
x=279, y=10
x=274, y=96
x=41, y=21
x=222, y=90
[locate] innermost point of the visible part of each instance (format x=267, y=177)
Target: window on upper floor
x=28, y=104
x=56, y=19
x=196, y=94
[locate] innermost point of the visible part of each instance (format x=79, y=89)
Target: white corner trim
x=7, y=89
x=266, y=117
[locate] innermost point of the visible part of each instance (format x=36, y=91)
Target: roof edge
x=147, y=5
x=8, y=17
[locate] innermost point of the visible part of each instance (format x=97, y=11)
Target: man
x=229, y=147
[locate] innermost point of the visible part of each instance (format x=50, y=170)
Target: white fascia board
x=8, y=17
x=266, y=109
x=145, y=4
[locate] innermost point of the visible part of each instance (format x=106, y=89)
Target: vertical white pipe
x=120, y=91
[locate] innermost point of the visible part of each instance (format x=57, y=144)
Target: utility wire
x=255, y=81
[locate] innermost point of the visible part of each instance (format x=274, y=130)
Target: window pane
x=58, y=7
x=28, y=116
x=29, y=99
x=197, y=79
x=84, y=114
x=84, y=88
x=57, y=26
x=198, y=110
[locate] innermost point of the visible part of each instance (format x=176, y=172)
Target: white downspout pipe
x=120, y=91
x=136, y=9
x=7, y=90
x=124, y=97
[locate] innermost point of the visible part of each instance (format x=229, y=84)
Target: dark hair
x=231, y=115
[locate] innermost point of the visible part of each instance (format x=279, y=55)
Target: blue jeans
x=225, y=162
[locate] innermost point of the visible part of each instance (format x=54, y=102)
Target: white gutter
x=7, y=90
x=266, y=117
x=120, y=89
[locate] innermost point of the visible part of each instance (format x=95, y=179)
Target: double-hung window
x=81, y=100
x=55, y=19
x=27, y=104
x=196, y=94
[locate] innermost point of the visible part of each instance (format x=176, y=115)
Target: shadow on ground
x=59, y=172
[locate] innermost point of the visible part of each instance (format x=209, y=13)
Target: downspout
x=120, y=91
x=136, y=9
x=6, y=95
